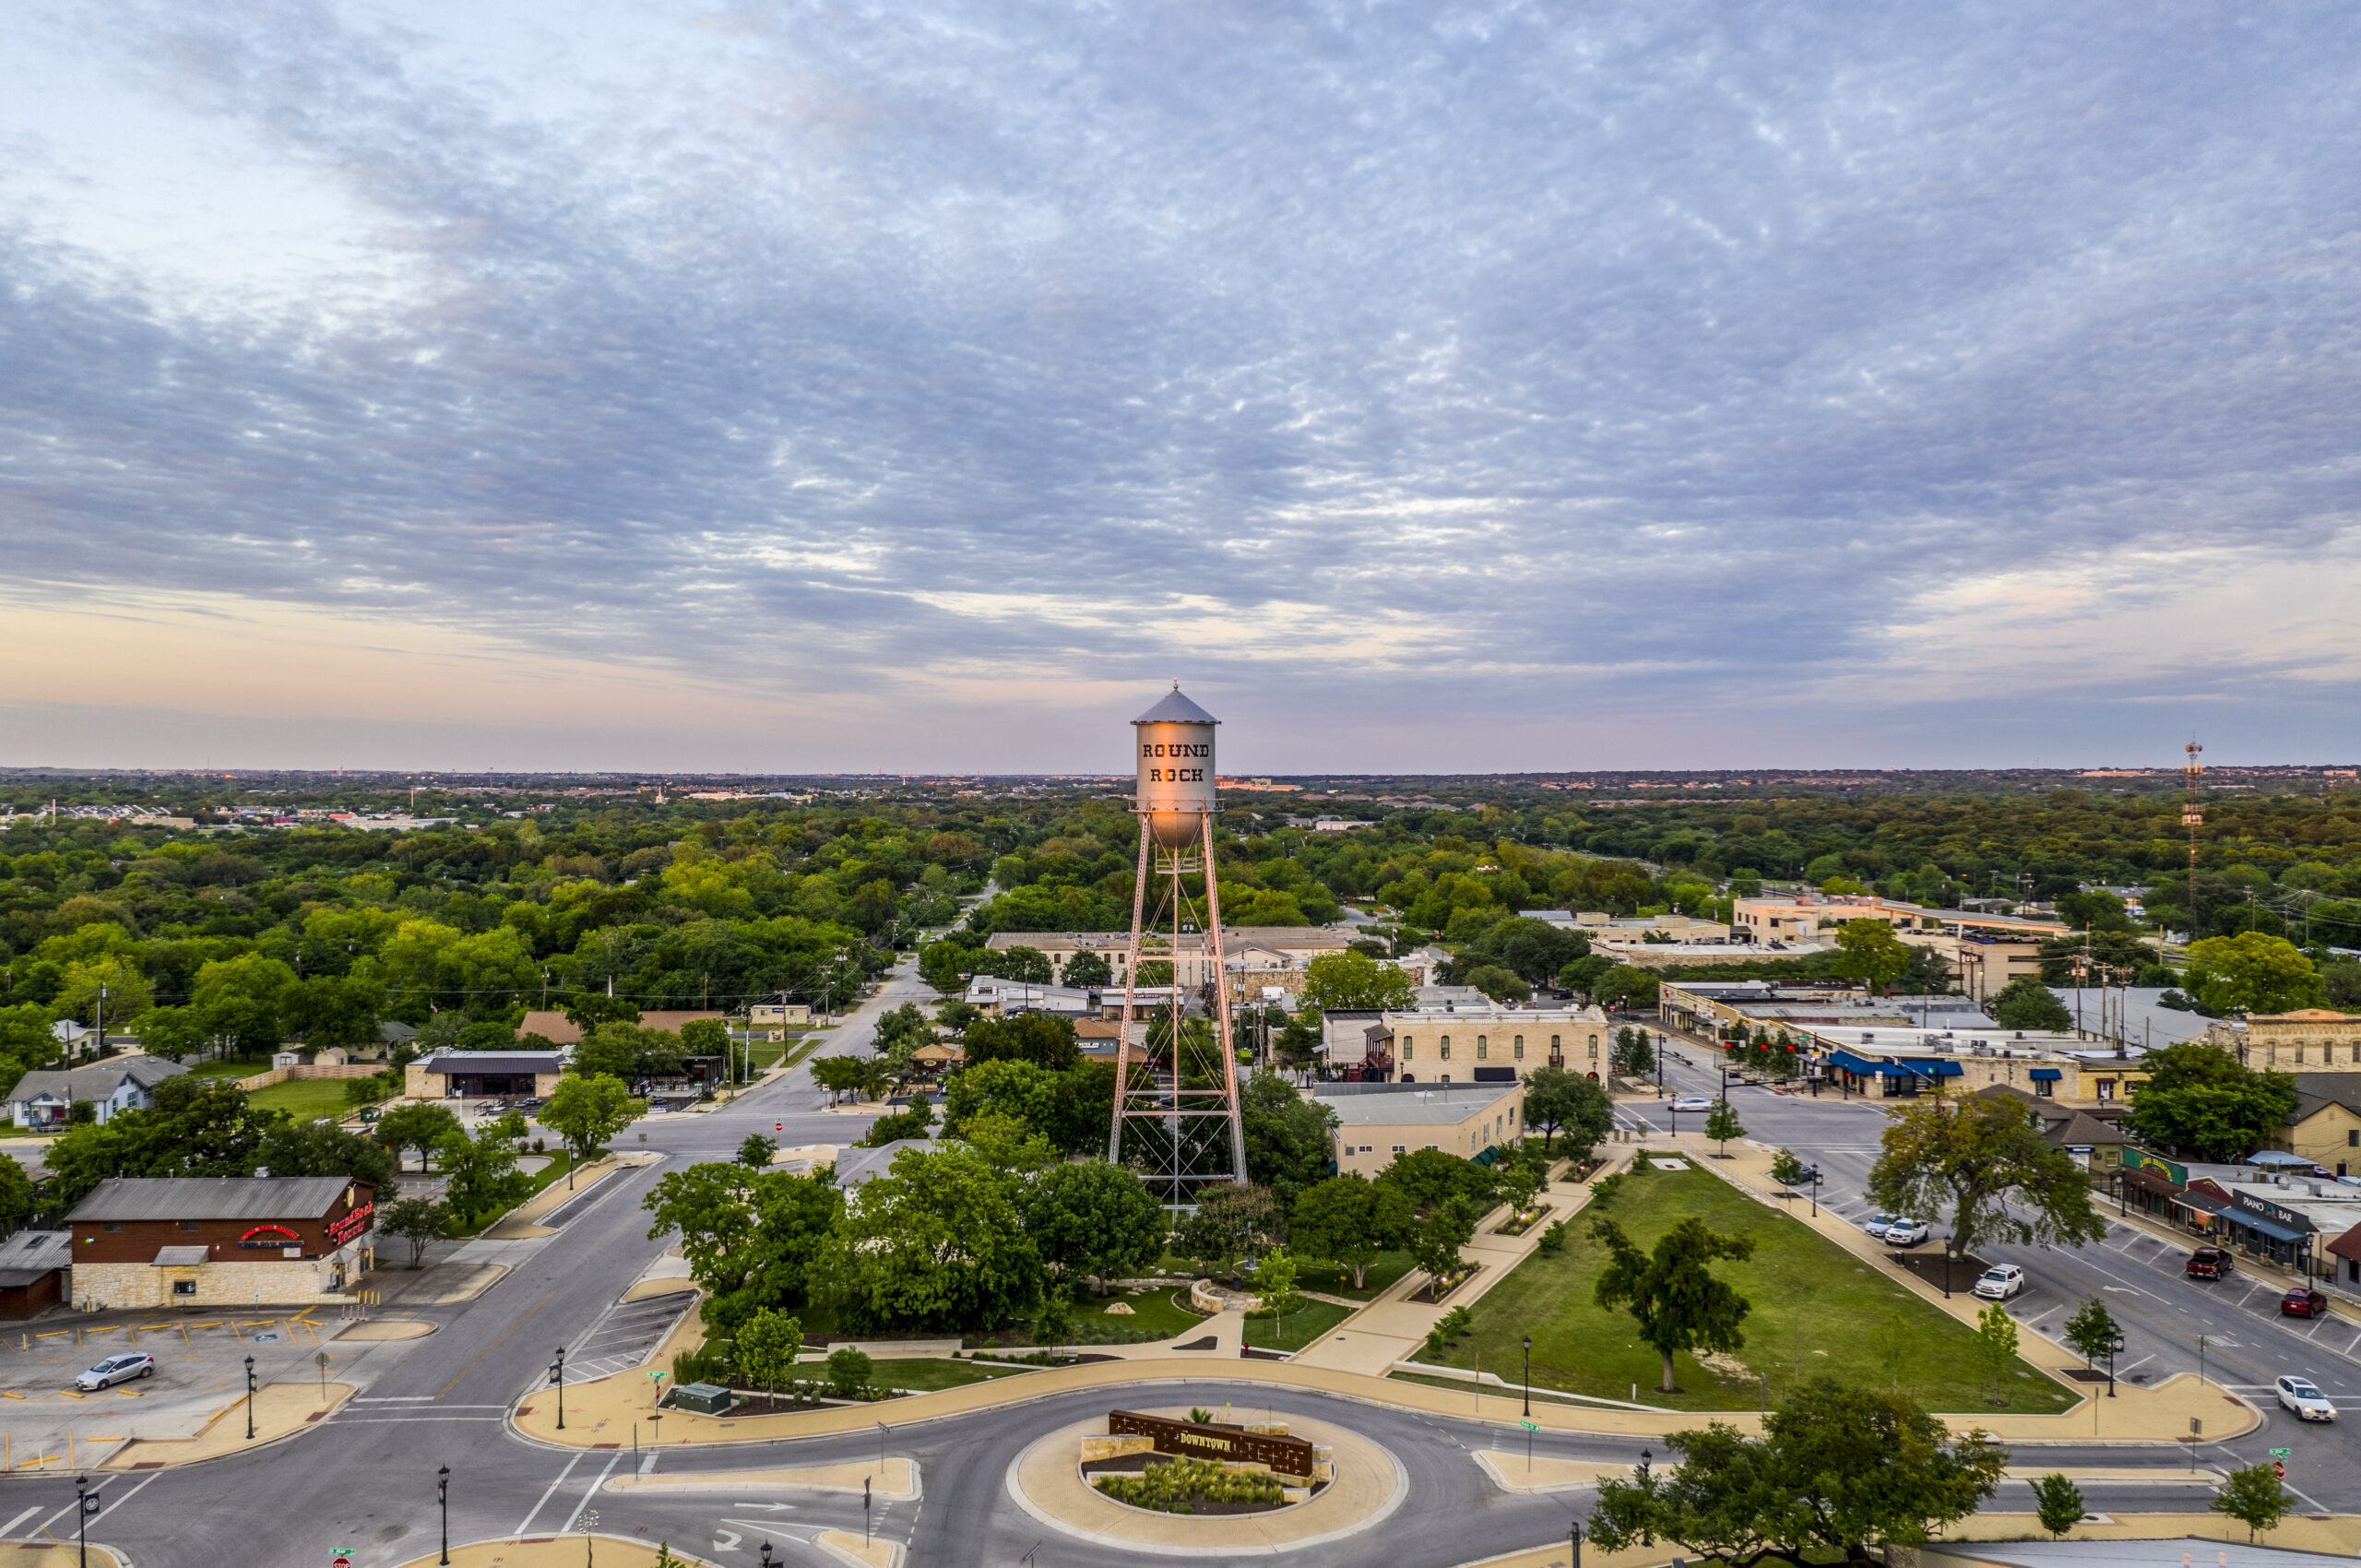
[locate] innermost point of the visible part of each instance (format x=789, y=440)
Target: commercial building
x=1682, y=930
x=2288, y=1042
x=46, y=1098
x=771, y=1018
x=1461, y=1041
x=471, y=1074
x=1802, y=917
x=1378, y=1123
x=2327, y=1127
x=216, y=1241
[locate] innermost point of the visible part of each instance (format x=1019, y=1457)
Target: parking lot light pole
x=443, y=1501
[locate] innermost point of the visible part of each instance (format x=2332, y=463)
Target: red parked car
x=2301, y=1302
x=2208, y=1262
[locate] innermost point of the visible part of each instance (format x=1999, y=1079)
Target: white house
x=46, y=1098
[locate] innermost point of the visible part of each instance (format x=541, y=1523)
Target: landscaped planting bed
x=1184, y=1486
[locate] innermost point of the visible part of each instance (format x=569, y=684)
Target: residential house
x=46, y=1097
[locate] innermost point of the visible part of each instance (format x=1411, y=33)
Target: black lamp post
x=1645, y=1456
x=250, y=1398
x=1528, y=1374
x=766, y=1554
x=443, y=1501
x=2113, y=1344
x=1815, y=1191
x=84, y=1504
x=1575, y=1541
x=557, y=1376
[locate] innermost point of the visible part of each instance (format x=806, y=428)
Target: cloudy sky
x=1432, y=387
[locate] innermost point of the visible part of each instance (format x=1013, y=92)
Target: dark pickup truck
x=2208, y=1262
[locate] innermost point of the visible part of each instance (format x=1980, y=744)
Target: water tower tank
x=1176, y=768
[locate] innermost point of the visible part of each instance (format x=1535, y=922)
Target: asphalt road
x=365, y=1480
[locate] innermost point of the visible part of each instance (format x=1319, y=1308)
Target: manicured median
x=1817, y=1309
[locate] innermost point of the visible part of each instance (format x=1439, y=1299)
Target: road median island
x=280, y=1410
x=554, y=1551
x=523, y=1222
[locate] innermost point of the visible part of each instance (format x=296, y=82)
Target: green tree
x=840, y=1074
x=417, y=1221
x=751, y=1239
x=1053, y=1325
x=479, y=1172
x=1671, y=1293
x=1626, y=987
x=1787, y=1168
x=1426, y=1177
x=1230, y=1223
x=1836, y=1471
x=1348, y=1220
x=756, y=1152
x=1334, y=982
x=323, y=1149
x=1090, y=1220
x=937, y=1243
x=585, y=1010
x=420, y=1126
x=1007, y=1086
x=1498, y=982
x=1559, y=1099
x=15, y=1195
x=945, y=965
x=1290, y=1138
x=240, y=998
x=1086, y=970
x=322, y=1010
x=1996, y=1342
x=2058, y=1503
x=198, y=1127
x=2250, y=973
x=705, y=1037
x=1984, y=1164
x=1436, y=1236
x=767, y=1343
x=2201, y=1101
x=2254, y=1497
x=1868, y=951
x=2025, y=1004
x=585, y=1112
x=1722, y=1124
x=1036, y=1038
x=2091, y=1330
x=1634, y=1053
x=1275, y=1291
x=849, y=1371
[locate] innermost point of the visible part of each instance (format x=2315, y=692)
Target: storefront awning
x=1858, y=1066
x=2258, y=1224
x=2200, y=1203
x=1937, y=1069
x=2149, y=1181
x=2045, y=1074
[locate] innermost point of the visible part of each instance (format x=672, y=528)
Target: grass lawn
x=796, y=1051
x=1297, y=1328
x=1816, y=1310
x=933, y=1374
x=228, y=1069
x=1154, y=1312
x=304, y=1097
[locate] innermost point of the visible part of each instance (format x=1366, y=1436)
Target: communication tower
x=2192, y=816
x=1176, y=1093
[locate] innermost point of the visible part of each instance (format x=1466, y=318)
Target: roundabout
x=1369, y=1484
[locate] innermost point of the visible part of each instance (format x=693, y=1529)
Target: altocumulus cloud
x=1471, y=362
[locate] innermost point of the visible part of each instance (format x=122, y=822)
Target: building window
x=1407, y=1043
x=1398, y=1149
x=112, y=1225
x=1445, y=1048
x=1483, y=1049
x=188, y=1224
x=183, y=1286
x=2353, y=1137
x=1517, y=1047
x=1593, y=1047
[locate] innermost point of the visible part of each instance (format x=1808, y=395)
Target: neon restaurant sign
x=351, y=1225
x=270, y=1236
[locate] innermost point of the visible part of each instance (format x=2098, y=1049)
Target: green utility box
x=704, y=1398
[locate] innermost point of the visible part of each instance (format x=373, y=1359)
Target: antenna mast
x=2192, y=817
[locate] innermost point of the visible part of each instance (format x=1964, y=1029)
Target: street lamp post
x=557, y=1376
x=84, y=1504
x=250, y=1398
x=1576, y=1542
x=1528, y=1374
x=443, y=1501
x=2113, y=1344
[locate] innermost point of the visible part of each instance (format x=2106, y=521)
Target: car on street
x=2208, y=1262
x=1906, y=1232
x=117, y=1369
x=1692, y=1102
x=2000, y=1282
x=2303, y=1302
x=1875, y=1224
x=2304, y=1397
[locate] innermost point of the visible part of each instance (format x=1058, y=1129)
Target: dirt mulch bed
x=1208, y=1343
x=1927, y=1263
x=1199, y=1508
x=1511, y=1226
x=1426, y=1295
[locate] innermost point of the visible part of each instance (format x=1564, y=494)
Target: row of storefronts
x=2279, y=1209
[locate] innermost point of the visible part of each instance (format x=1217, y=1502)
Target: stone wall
x=281, y=1282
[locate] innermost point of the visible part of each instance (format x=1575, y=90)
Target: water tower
x=1176, y=1098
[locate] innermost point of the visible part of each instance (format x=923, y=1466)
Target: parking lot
x=46, y=1423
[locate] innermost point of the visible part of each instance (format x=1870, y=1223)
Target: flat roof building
x=1378, y=1123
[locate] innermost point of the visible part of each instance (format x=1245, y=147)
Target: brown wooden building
x=202, y=1240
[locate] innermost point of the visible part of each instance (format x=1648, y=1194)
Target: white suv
x=2000, y=1282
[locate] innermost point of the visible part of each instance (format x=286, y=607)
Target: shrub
x=847, y=1370
x=1175, y=1486
x=1553, y=1240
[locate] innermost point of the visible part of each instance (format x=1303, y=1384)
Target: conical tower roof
x=1176, y=708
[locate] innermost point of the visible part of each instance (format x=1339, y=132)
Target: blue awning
x=1854, y=1065
x=2271, y=1228
x=2045, y=1074
x=1937, y=1069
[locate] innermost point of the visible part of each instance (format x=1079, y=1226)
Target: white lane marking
x=126, y=1497
x=590, y=1493
x=545, y=1496
x=19, y=1519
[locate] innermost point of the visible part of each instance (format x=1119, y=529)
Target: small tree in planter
x=1722, y=1125
x=847, y=1370
x=768, y=1345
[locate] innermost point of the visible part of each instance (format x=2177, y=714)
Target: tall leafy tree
x=1671, y=1292
x=1836, y=1472
x=1559, y=1099
x=2025, y=1004
x=937, y=1243
x=1984, y=1164
x=586, y=1112
x=2199, y=1100
x=2058, y=1503
x=479, y=1172
x=2252, y=973
x=751, y=1239
x=198, y=1127
x=1722, y=1124
x=419, y=1125
x=1355, y=981
x=1348, y=1220
x=1868, y=951
x=1090, y=1220
x=1290, y=1138
x=2091, y=1330
x=1036, y=1038
x=2255, y=1497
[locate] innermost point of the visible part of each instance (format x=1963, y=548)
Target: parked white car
x=1999, y=1283
x=1692, y=1102
x=1906, y=1232
x=2301, y=1395
x=117, y=1369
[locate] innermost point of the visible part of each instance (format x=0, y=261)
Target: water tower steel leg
x=1130, y=977
x=1221, y=1004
